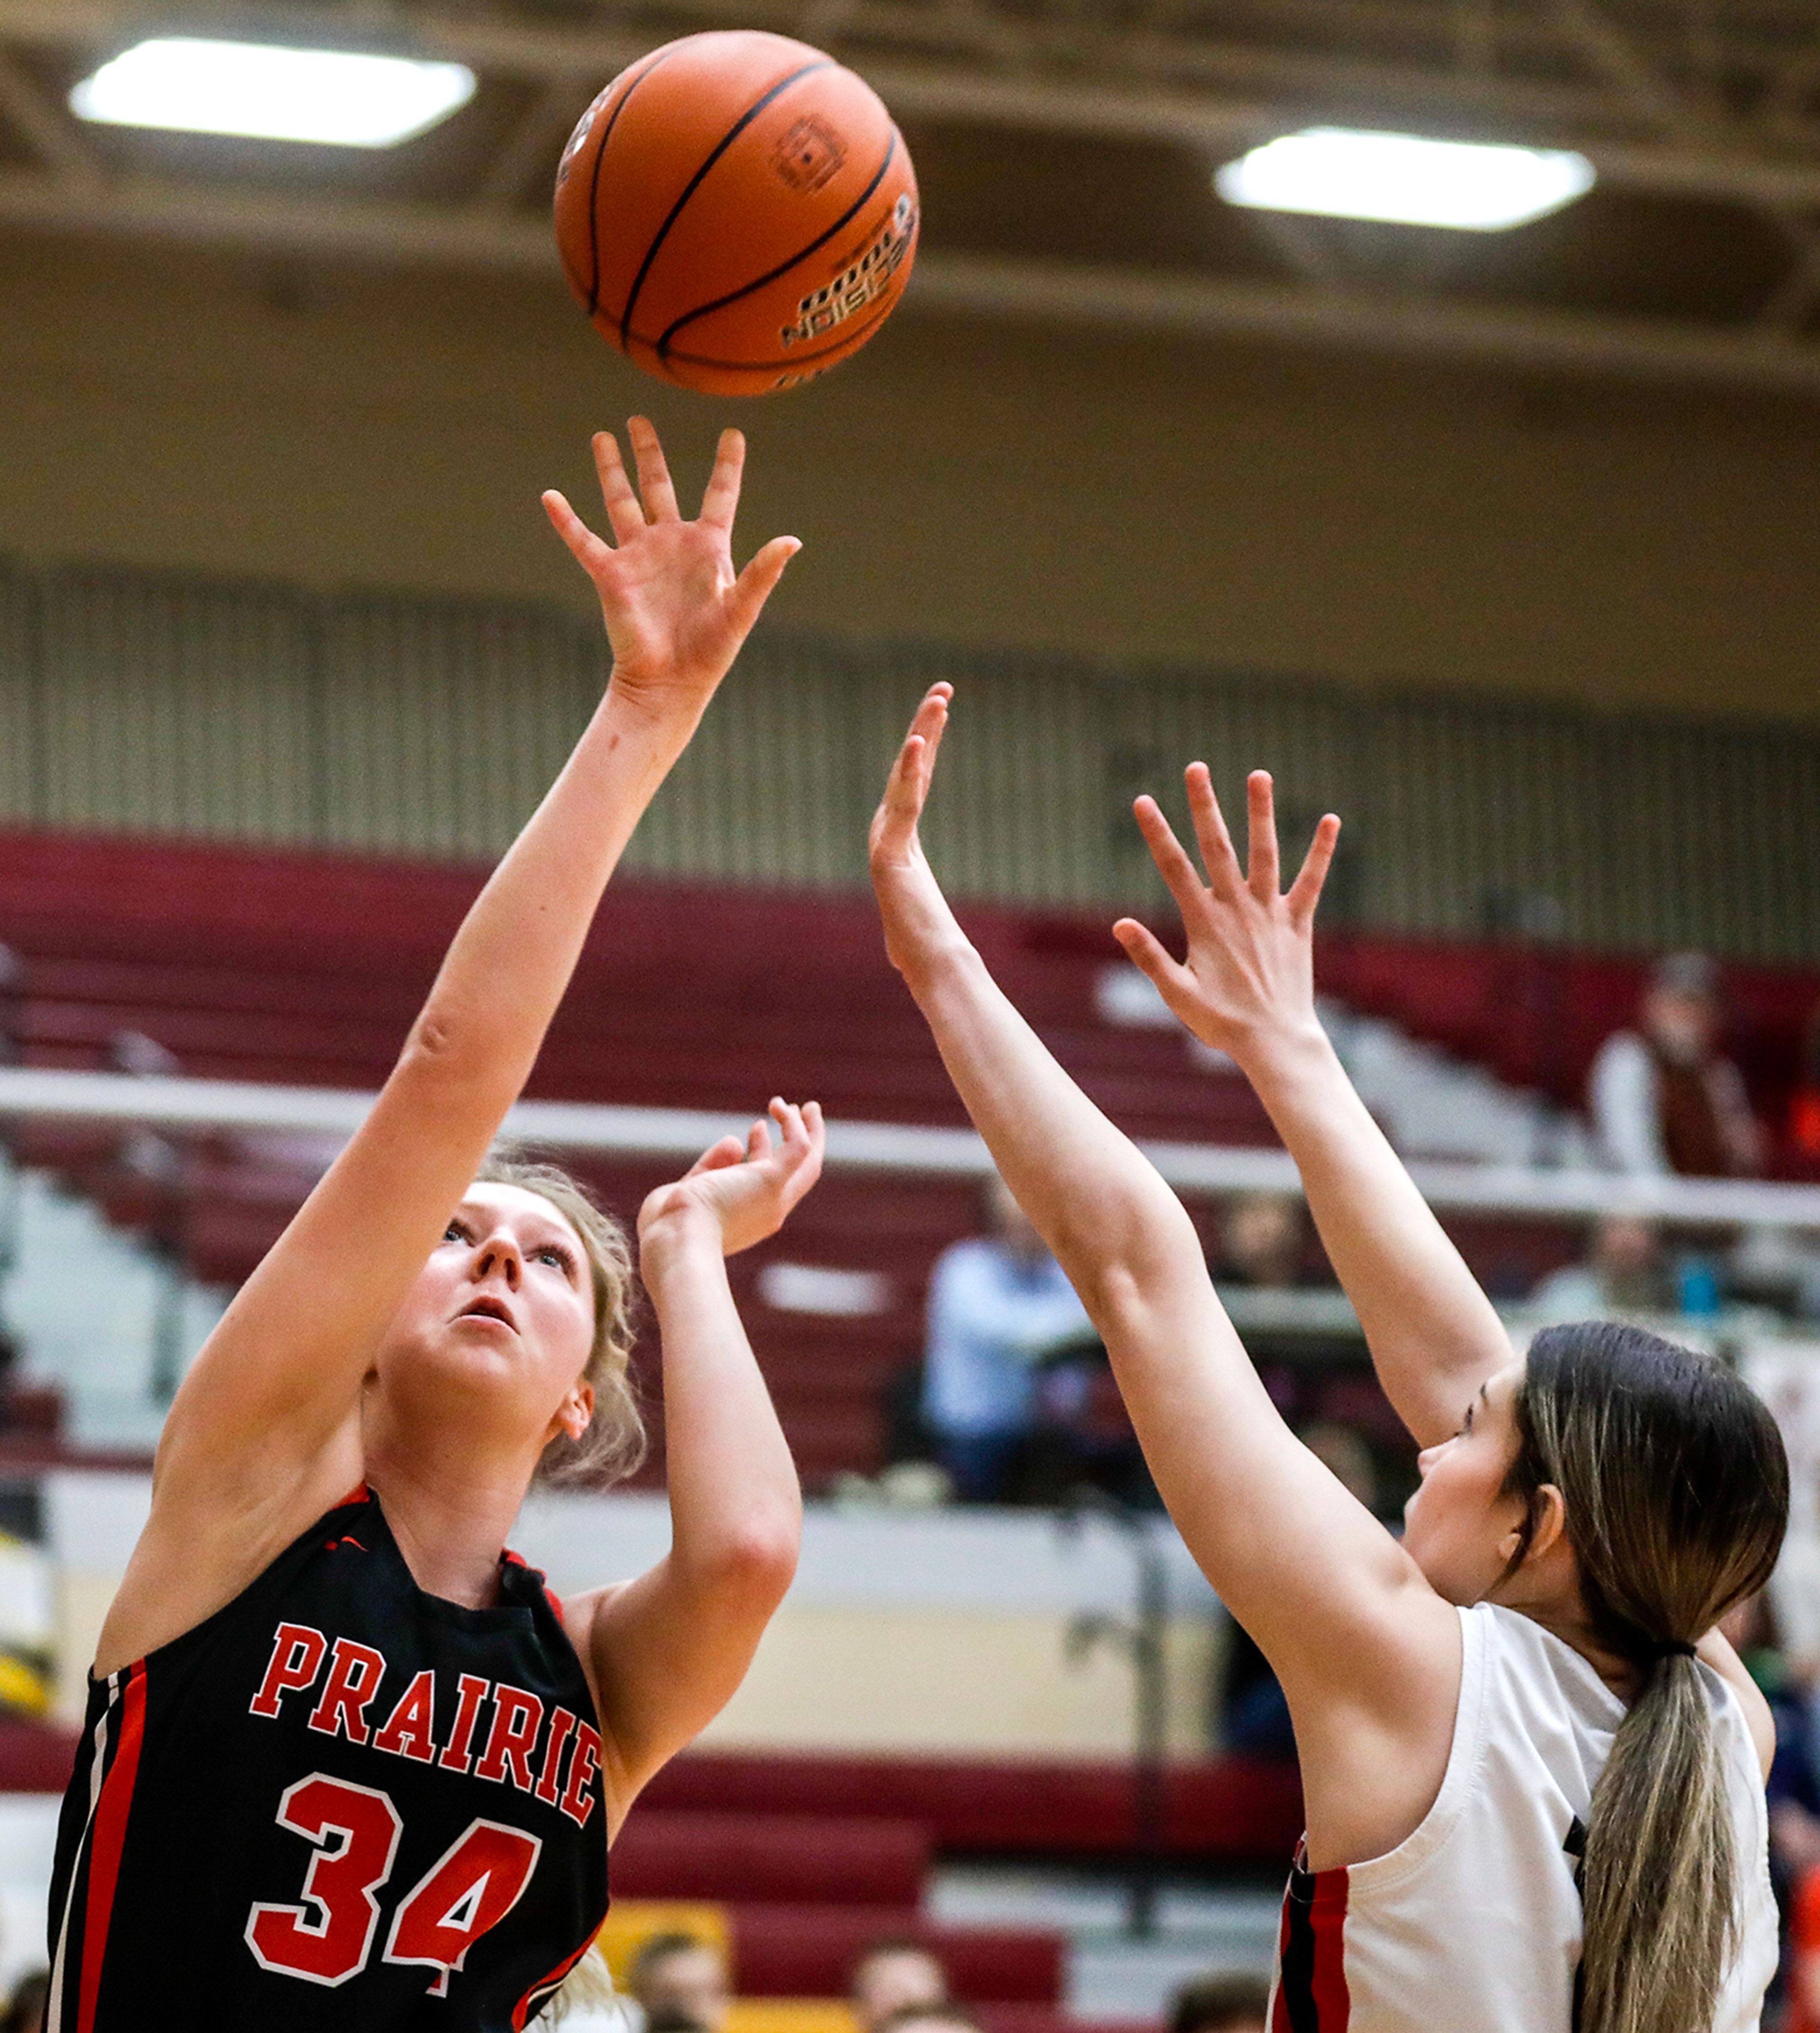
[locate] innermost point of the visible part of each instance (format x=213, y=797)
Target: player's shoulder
x=1717, y=1652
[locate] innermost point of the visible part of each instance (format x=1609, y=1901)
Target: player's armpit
x=212, y=1531
x=666, y=1652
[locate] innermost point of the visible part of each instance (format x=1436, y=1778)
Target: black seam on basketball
x=766, y=366
x=594, y=181
x=689, y=190
x=783, y=268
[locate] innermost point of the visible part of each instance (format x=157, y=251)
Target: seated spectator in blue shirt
x=997, y=1303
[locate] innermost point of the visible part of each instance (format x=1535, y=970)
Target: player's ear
x=1548, y=1521
x=1542, y=1527
x=578, y=1411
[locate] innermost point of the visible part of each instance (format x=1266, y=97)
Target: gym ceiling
x=1065, y=149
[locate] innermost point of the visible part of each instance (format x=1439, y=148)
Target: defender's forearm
x=1433, y=1334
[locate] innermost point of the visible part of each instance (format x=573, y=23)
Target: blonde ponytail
x=1675, y=1486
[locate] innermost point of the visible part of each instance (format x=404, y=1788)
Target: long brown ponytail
x=1675, y=1489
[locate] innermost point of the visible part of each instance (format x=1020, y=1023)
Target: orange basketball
x=736, y=212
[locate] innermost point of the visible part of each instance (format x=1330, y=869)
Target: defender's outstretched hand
x=1249, y=974
x=676, y=611
x=749, y=1188
x=910, y=900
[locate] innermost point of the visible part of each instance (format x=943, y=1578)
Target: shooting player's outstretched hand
x=675, y=610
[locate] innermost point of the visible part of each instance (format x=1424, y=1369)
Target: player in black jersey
x=346, y=1764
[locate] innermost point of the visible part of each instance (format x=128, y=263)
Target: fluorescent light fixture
x=1344, y=173
x=339, y=96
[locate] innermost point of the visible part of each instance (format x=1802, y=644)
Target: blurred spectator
x=997, y=1303
x=893, y=1975
x=1663, y=1098
x=948, y=2017
x=1793, y=1798
x=681, y=1985
x=1223, y=2004
x=1262, y=1239
x=1082, y=1436
x=26, y=2013
x=1623, y=1271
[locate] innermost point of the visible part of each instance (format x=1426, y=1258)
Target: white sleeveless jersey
x=1473, y=1925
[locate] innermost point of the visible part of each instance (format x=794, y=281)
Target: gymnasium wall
x=1117, y=494
x=279, y=573
x=177, y=704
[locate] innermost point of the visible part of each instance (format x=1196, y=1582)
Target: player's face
x=506, y=1305
x=1459, y=1527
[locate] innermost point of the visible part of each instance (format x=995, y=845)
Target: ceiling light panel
x=1345, y=172
x=339, y=97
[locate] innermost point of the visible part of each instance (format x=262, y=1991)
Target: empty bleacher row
x=307, y=968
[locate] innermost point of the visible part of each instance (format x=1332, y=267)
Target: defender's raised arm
x=1368, y=1654
x=1247, y=987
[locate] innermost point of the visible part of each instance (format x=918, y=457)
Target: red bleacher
x=1224, y=1810
x=1536, y=1015
x=306, y=968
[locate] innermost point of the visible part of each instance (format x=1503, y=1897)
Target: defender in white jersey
x=1474, y=1923
x=1533, y=1767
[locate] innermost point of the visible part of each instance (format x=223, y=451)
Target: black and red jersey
x=340, y=1802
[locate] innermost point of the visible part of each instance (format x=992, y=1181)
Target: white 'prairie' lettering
x=562, y=1777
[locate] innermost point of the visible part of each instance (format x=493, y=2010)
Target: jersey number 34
x=354, y=1830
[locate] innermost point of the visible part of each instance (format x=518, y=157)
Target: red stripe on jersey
x=1311, y=1986
x=1279, y=2018
x=1326, y=1912
x=550, y=1596
x=359, y=1494
x=109, y=1842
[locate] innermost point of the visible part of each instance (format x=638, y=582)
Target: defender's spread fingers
x=1304, y=892
x=1264, y=874
x=1224, y=876
x=1169, y=854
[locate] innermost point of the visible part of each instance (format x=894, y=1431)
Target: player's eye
x=455, y=1233
x=553, y=1252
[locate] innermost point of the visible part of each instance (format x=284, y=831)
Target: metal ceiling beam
x=50, y=133
x=1530, y=340
x=1722, y=167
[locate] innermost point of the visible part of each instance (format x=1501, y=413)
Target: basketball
x=736, y=212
